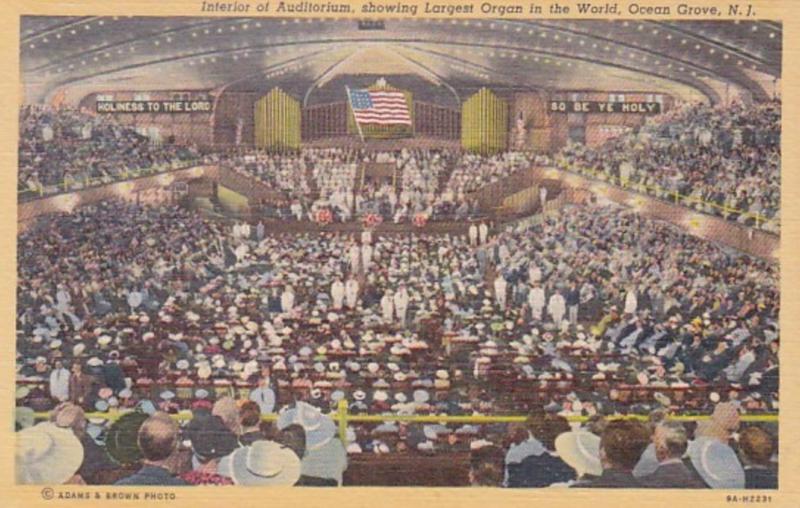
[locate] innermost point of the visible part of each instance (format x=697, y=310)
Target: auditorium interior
x=451, y=252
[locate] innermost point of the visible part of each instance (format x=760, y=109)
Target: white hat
x=400, y=397
x=262, y=463
x=581, y=451
x=182, y=364
x=47, y=455
x=442, y=374
x=320, y=429
x=94, y=362
x=716, y=463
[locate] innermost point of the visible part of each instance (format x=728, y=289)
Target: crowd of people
x=722, y=160
x=226, y=442
x=474, y=171
x=68, y=149
x=592, y=312
x=435, y=184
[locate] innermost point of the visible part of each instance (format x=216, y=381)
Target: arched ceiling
x=688, y=59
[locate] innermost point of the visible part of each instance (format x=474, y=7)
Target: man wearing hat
x=325, y=457
x=95, y=459
x=621, y=446
x=211, y=440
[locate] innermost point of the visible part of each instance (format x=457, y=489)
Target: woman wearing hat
x=47, y=454
x=325, y=457
x=211, y=440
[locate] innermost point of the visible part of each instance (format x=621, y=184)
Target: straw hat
x=319, y=428
x=47, y=455
x=581, y=451
x=262, y=463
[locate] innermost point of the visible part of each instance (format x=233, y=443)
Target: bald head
x=69, y=416
x=158, y=437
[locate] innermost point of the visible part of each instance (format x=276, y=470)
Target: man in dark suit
x=158, y=440
x=621, y=447
x=670, y=442
x=756, y=447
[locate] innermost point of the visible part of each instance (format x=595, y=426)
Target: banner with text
x=640, y=108
x=158, y=107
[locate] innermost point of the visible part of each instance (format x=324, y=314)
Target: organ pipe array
x=277, y=121
x=484, y=123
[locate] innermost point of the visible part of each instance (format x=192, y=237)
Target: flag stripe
x=380, y=107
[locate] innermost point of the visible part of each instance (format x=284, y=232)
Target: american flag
x=380, y=107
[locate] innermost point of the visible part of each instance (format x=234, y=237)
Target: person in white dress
x=631, y=301
x=401, y=303
x=387, y=307
x=366, y=256
x=351, y=293
x=483, y=233
x=245, y=230
x=355, y=258
x=473, y=234
x=500, y=288
x=557, y=307
x=366, y=237
x=287, y=300
x=337, y=293
x=536, y=301
x=59, y=382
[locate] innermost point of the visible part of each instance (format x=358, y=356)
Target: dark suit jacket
x=151, y=475
x=674, y=475
x=539, y=471
x=612, y=479
x=760, y=478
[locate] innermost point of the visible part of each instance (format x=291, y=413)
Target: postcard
x=450, y=253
